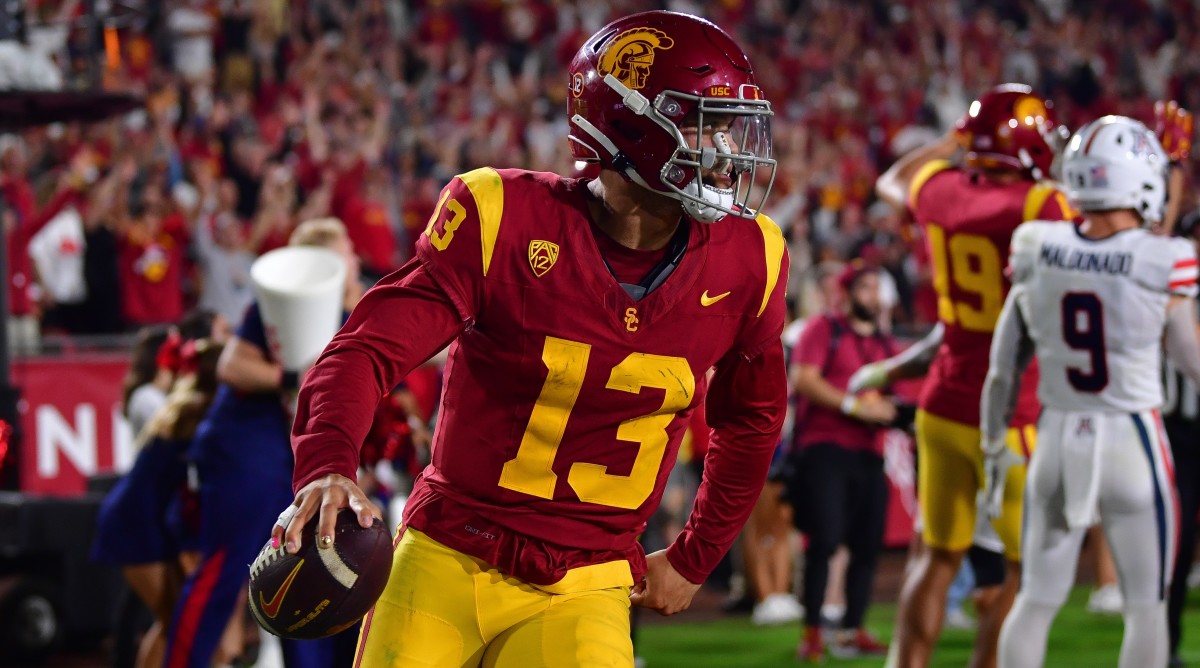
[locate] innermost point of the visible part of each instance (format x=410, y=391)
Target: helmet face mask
x=726, y=142
x=669, y=101
x=1116, y=163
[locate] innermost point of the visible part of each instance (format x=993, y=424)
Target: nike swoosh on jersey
x=705, y=300
x=271, y=608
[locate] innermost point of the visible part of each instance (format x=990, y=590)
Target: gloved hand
x=1173, y=127
x=868, y=377
x=998, y=459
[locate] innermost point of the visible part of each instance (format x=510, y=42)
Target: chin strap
x=705, y=212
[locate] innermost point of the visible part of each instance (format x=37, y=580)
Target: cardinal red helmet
x=639, y=79
x=1009, y=127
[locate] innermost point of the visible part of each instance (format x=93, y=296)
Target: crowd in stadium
x=260, y=115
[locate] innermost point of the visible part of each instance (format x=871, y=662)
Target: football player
x=967, y=214
x=583, y=315
x=1094, y=303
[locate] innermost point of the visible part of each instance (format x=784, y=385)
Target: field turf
x=1079, y=639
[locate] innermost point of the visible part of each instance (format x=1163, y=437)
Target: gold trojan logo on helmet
x=1030, y=111
x=630, y=55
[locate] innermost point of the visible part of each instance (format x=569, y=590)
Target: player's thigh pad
x=444, y=609
x=1137, y=505
x=426, y=617
x=949, y=470
x=586, y=630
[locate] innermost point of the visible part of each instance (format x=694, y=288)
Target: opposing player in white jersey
x=1093, y=303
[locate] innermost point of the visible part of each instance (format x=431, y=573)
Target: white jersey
x=1095, y=310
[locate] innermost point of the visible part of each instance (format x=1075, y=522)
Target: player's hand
x=663, y=590
x=868, y=377
x=873, y=408
x=1173, y=126
x=998, y=459
x=327, y=496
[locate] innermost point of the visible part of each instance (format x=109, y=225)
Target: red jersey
x=151, y=272
x=371, y=233
x=968, y=221
x=838, y=360
x=564, y=400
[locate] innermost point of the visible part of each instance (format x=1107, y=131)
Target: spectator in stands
x=222, y=249
x=152, y=238
x=839, y=491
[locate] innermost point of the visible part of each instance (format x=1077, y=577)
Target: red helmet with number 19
x=638, y=80
x=1009, y=127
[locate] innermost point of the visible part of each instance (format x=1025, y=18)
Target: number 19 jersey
x=1096, y=309
x=968, y=220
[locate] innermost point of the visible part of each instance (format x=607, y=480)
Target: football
x=318, y=592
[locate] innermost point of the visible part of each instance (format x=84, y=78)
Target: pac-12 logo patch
x=630, y=55
x=542, y=256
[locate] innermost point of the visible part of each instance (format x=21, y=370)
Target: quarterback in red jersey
x=583, y=316
x=968, y=215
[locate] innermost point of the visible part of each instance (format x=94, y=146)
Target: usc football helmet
x=1115, y=162
x=640, y=79
x=1009, y=127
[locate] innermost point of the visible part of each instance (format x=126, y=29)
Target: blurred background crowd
x=262, y=113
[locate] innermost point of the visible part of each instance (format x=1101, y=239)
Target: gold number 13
x=531, y=471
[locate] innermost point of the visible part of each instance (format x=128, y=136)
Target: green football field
x=1079, y=639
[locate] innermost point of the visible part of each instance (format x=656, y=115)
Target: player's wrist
x=849, y=405
x=994, y=447
x=681, y=564
x=289, y=380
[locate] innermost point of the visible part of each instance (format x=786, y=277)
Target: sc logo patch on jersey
x=542, y=256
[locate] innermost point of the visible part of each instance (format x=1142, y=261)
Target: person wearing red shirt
x=583, y=316
x=370, y=229
x=151, y=248
x=839, y=490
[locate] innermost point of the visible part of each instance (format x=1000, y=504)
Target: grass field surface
x=1079, y=639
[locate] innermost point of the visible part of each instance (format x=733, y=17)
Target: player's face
x=717, y=132
x=864, y=297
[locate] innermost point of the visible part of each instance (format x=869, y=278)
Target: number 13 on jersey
x=531, y=470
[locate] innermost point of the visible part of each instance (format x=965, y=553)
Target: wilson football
x=318, y=592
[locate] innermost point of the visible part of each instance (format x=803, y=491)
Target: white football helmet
x=1115, y=162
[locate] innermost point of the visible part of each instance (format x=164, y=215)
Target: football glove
x=868, y=377
x=1173, y=126
x=998, y=459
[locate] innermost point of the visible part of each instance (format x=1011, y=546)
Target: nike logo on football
x=271, y=608
x=705, y=300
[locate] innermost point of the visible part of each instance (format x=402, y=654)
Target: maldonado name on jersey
x=1075, y=259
